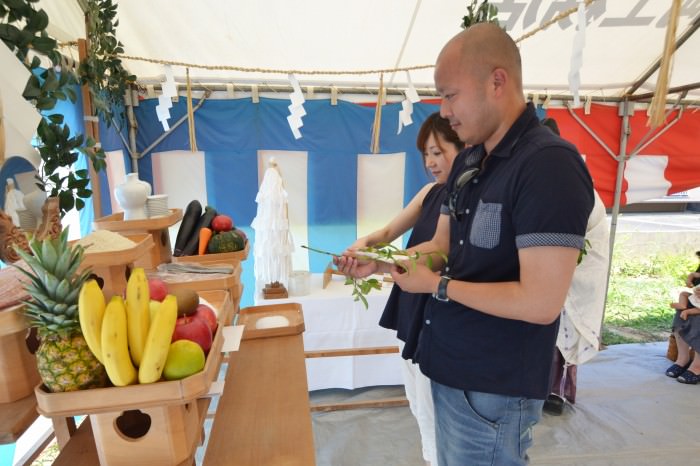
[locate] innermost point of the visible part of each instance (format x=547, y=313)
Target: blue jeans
x=480, y=429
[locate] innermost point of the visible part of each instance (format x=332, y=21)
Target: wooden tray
x=217, y=258
x=18, y=370
x=156, y=227
x=120, y=256
x=103, y=400
x=111, y=266
x=248, y=316
x=205, y=282
x=12, y=320
x=116, y=222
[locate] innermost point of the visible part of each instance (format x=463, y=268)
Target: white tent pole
x=405, y=40
x=621, y=160
x=625, y=109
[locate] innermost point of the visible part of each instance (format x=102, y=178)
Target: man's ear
x=499, y=78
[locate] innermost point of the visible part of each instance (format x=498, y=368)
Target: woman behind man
x=439, y=145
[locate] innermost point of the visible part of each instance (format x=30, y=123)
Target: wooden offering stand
x=18, y=376
x=111, y=266
x=263, y=416
x=156, y=227
x=226, y=258
x=275, y=290
x=154, y=424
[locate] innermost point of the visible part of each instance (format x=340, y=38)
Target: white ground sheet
x=628, y=413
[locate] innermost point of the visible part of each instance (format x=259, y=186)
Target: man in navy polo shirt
x=514, y=222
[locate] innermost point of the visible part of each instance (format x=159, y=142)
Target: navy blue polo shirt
x=533, y=190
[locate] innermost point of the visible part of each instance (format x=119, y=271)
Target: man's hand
x=417, y=278
x=353, y=267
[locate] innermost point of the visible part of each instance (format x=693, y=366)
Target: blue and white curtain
x=337, y=189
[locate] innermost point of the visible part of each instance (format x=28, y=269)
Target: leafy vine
x=23, y=30
x=483, y=13
x=102, y=71
x=384, y=252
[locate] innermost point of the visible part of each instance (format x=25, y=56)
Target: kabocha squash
x=226, y=241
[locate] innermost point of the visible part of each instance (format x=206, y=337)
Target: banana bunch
x=137, y=313
x=115, y=347
x=91, y=311
x=120, y=333
x=158, y=341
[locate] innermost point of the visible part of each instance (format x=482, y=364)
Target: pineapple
x=64, y=360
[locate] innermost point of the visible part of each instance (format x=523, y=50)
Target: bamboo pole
x=92, y=131
x=131, y=121
x=655, y=66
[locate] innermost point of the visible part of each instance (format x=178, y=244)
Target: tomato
x=222, y=223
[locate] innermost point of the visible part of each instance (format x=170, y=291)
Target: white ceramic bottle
x=132, y=196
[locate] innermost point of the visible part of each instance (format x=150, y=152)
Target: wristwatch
x=441, y=294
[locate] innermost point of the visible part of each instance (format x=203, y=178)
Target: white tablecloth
x=333, y=321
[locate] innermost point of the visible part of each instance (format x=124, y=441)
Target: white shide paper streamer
x=296, y=109
x=577, y=54
x=165, y=99
x=406, y=111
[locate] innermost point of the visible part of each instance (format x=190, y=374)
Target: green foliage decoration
x=386, y=252
x=23, y=29
x=102, y=71
x=482, y=13
x=383, y=252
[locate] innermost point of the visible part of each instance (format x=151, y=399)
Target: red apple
x=193, y=329
x=222, y=223
x=157, y=289
x=208, y=315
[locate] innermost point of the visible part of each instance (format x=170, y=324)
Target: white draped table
x=334, y=321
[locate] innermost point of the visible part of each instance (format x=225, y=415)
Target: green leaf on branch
x=44, y=44
x=45, y=103
x=387, y=253
x=56, y=118
x=38, y=21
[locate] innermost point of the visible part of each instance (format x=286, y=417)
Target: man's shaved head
x=479, y=77
x=484, y=47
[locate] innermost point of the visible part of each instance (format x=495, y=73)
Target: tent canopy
x=623, y=39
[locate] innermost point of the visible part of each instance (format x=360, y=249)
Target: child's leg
x=682, y=301
x=695, y=365
x=683, y=351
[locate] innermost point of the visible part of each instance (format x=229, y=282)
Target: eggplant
x=187, y=226
x=192, y=246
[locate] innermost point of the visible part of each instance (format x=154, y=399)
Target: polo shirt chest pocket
x=486, y=226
